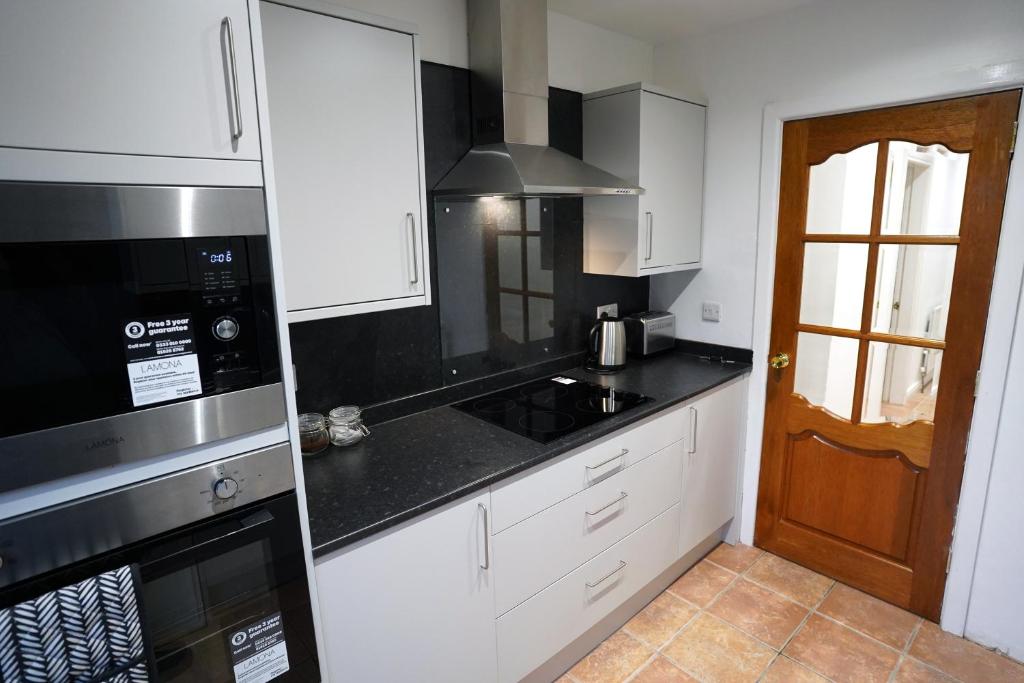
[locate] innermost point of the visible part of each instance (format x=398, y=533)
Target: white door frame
x=998, y=336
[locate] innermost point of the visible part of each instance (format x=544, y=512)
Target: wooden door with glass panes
x=888, y=226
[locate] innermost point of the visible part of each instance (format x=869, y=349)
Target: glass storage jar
x=345, y=424
x=313, y=436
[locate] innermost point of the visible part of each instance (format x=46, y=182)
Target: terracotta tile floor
x=741, y=614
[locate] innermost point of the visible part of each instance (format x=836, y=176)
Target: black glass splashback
x=506, y=281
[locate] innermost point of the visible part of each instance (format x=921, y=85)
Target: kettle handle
x=592, y=340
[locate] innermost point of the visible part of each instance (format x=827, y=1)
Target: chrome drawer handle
x=622, y=565
x=411, y=220
x=608, y=505
x=625, y=451
x=486, y=564
x=693, y=430
x=650, y=236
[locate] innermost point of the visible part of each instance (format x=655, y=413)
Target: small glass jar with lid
x=345, y=425
x=313, y=435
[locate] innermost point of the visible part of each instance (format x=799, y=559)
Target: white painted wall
x=806, y=52
x=997, y=601
x=441, y=25
x=581, y=56
x=822, y=59
x=585, y=58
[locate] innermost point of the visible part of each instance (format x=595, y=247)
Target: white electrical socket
x=610, y=310
x=711, y=311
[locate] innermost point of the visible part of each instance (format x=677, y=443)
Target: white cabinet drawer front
x=538, y=551
x=537, y=629
x=530, y=492
x=128, y=77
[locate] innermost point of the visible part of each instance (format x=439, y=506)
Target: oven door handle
x=252, y=525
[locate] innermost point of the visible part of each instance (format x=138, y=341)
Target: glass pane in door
x=840, y=192
x=826, y=370
x=901, y=384
x=924, y=190
x=833, y=284
x=914, y=283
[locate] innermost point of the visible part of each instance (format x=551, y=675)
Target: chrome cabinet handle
x=237, y=114
x=608, y=505
x=411, y=219
x=693, y=430
x=622, y=565
x=650, y=235
x=605, y=462
x=487, y=539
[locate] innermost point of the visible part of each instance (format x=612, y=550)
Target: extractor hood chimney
x=508, y=59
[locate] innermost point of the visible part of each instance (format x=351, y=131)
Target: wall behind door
x=867, y=49
x=811, y=51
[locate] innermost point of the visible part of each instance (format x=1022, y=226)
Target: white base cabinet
x=413, y=604
x=345, y=116
x=711, y=469
x=650, y=137
x=545, y=547
x=537, y=629
x=464, y=595
x=138, y=77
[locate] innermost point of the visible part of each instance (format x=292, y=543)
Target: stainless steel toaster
x=650, y=332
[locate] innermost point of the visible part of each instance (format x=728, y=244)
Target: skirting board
x=576, y=650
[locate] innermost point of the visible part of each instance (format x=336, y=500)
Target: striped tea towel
x=88, y=632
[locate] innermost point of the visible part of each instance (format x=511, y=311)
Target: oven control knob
x=225, y=328
x=225, y=489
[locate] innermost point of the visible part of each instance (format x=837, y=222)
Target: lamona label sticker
x=258, y=651
x=162, y=364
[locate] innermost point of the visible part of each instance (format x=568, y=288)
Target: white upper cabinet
x=345, y=129
x=656, y=140
x=140, y=77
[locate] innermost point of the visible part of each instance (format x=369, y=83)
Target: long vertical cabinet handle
x=411, y=220
x=486, y=564
x=693, y=430
x=650, y=235
x=236, y=124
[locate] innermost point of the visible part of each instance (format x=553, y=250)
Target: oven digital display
x=219, y=270
x=216, y=256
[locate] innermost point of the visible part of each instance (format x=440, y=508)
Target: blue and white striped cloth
x=89, y=631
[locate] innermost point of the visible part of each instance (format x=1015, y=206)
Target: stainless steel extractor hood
x=508, y=56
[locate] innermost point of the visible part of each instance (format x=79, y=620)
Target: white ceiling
x=658, y=21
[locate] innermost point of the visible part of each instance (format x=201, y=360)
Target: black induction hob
x=549, y=408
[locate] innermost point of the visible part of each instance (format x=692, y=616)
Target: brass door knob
x=779, y=361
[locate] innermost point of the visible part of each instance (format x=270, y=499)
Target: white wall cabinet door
x=672, y=173
x=139, y=77
x=710, y=472
x=415, y=604
x=344, y=119
x=657, y=140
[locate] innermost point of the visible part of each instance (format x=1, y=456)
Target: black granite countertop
x=413, y=464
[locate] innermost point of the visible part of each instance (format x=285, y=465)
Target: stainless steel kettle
x=606, y=346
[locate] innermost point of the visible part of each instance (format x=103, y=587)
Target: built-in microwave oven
x=136, y=321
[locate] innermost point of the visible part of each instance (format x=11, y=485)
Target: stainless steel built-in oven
x=218, y=555
x=136, y=321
